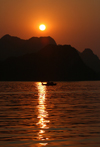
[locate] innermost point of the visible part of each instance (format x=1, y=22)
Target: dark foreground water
x=32, y=115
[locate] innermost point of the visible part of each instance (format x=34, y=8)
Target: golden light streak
x=42, y=114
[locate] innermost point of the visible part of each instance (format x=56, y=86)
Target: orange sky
x=74, y=22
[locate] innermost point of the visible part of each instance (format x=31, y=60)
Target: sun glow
x=42, y=27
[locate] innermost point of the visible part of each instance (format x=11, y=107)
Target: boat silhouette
x=49, y=83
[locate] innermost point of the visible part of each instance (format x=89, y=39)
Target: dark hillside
x=57, y=63
x=11, y=46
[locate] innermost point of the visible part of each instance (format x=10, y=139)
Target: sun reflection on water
x=42, y=114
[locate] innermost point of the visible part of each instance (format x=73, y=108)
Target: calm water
x=32, y=115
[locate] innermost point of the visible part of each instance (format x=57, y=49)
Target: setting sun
x=42, y=27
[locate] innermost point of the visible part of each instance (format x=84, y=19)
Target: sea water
x=33, y=115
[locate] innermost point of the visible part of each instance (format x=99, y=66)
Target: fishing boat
x=49, y=83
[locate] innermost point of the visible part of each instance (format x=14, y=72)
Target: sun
x=42, y=27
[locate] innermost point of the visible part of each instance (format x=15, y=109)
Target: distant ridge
x=90, y=59
x=41, y=59
x=12, y=46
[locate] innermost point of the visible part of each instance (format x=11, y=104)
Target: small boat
x=48, y=83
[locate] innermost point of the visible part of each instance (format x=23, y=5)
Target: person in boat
x=50, y=82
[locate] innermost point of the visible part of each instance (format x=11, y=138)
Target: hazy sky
x=74, y=22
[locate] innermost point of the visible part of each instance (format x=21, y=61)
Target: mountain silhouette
x=53, y=62
x=90, y=59
x=11, y=46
